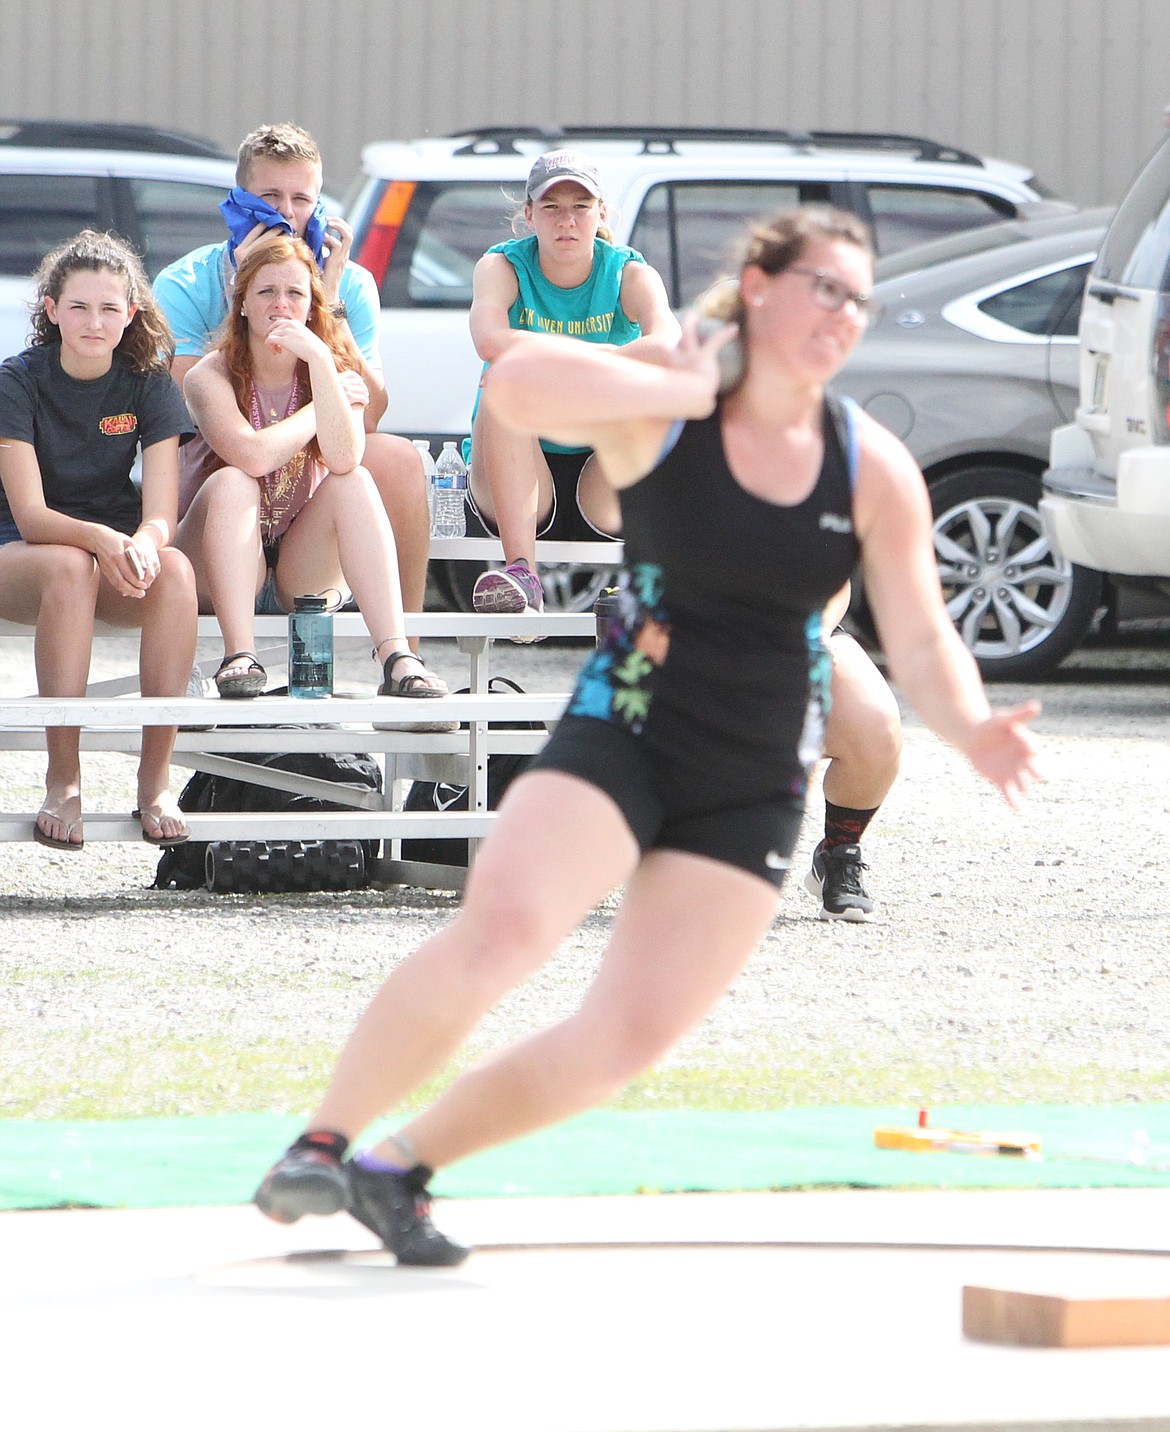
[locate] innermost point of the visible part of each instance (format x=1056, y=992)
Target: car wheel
x=567, y=587
x=1019, y=606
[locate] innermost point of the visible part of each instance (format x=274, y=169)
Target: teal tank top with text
x=591, y=311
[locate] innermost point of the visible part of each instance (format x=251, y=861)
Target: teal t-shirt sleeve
x=359, y=293
x=190, y=294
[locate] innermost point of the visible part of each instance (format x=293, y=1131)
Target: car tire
x=1019, y=606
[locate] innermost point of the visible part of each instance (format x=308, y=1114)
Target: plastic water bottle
x=428, y=462
x=310, y=648
x=450, y=515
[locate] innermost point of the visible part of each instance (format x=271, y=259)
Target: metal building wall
x=1075, y=88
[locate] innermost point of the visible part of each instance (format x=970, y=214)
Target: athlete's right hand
x=699, y=348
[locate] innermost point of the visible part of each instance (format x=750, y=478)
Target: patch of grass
x=96, y=1079
x=50, y=976
x=99, y=1077
x=831, y=1079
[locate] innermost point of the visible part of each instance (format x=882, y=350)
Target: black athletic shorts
x=671, y=807
x=566, y=522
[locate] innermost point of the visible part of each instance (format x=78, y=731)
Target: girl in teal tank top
x=566, y=277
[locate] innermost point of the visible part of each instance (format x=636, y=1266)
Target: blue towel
x=243, y=211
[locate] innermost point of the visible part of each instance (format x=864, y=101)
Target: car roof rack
x=661, y=139
x=102, y=134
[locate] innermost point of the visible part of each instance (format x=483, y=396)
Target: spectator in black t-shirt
x=78, y=543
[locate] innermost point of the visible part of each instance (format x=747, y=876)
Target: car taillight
x=1160, y=365
x=381, y=236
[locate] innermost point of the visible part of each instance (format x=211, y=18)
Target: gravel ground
x=1015, y=957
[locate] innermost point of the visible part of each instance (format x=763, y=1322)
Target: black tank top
x=715, y=659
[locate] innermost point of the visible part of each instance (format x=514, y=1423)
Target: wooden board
x=1034, y=1319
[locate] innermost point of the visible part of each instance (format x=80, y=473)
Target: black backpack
x=272, y=865
x=502, y=770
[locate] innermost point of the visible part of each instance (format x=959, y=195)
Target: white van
x=1106, y=503
x=424, y=212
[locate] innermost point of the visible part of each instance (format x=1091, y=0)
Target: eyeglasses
x=832, y=295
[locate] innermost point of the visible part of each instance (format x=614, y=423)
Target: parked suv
x=425, y=211
x=156, y=188
x=1106, y=501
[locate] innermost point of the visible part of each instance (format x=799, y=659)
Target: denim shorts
x=268, y=603
x=9, y=532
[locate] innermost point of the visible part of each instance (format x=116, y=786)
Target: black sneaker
x=396, y=1207
x=835, y=880
x=309, y=1178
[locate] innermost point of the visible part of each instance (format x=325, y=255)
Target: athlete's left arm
x=928, y=661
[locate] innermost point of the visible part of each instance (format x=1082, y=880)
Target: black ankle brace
x=419, y=1176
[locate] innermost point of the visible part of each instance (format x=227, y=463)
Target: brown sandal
x=251, y=681
x=413, y=684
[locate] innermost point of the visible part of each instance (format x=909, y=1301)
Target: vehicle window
x=905, y=214
x=176, y=217
x=447, y=230
x=1136, y=249
x=40, y=211
x=689, y=232
x=1047, y=306
x=954, y=246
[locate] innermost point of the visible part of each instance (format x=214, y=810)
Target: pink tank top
x=283, y=492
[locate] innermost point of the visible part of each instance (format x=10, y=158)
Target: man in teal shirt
x=278, y=178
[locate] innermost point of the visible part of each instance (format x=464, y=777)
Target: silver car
x=157, y=189
x=972, y=363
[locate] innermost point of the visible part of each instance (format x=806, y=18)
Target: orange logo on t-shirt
x=118, y=425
